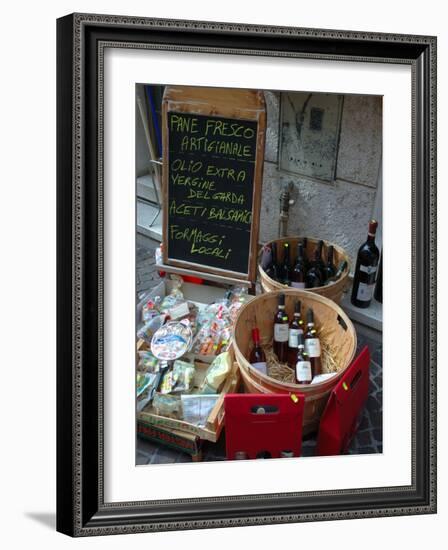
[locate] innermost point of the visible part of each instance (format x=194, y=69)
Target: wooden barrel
x=336, y=331
x=333, y=292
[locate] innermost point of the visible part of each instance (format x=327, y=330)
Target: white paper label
x=312, y=347
x=260, y=366
x=293, y=340
x=365, y=292
x=303, y=371
x=297, y=285
x=281, y=332
x=179, y=311
x=369, y=269
x=323, y=377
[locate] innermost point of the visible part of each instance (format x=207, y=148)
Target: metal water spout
x=285, y=203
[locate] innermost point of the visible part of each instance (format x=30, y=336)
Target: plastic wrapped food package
x=237, y=297
x=218, y=311
x=156, y=301
x=144, y=381
x=235, y=307
x=179, y=378
x=184, y=311
x=150, y=328
x=215, y=329
x=167, y=405
x=172, y=340
x=212, y=338
x=216, y=374
x=149, y=302
x=176, y=307
x=197, y=408
x=147, y=362
x=216, y=320
x=237, y=293
x=174, y=298
x=150, y=308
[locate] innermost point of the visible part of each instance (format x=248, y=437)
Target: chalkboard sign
x=210, y=181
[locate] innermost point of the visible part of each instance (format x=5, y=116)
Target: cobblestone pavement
x=367, y=440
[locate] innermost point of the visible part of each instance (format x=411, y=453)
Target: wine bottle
x=319, y=261
x=295, y=329
x=298, y=272
x=365, y=271
x=303, y=368
x=312, y=344
x=305, y=253
x=281, y=331
x=285, y=267
x=314, y=277
x=266, y=257
x=329, y=269
x=340, y=270
x=378, y=295
x=272, y=269
x=257, y=356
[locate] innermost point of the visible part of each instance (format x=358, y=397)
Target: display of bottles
x=295, y=329
x=302, y=273
x=340, y=270
x=378, y=295
x=329, y=269
x=281, y=330
x=303, y=369
x=314, y=277
x=284, y=275
x=312, y=344
x=272, y=267
x=298, y=272
x=366, y=269
x=257, y=356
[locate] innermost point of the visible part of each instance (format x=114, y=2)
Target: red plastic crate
x=340, y=418
x=258, y=424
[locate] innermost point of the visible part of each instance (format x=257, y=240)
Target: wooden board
x=213, y=143
x=175, y=439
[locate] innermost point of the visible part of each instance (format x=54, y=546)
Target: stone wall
x=338, y=211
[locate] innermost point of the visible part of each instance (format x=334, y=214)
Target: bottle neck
x=370, y=237
x=341, y=269
x=281, y=307
x=256, y=337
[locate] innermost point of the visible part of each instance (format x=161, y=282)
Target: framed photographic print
x=246, y=275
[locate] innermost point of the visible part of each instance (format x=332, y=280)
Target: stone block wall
x=338, y=211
